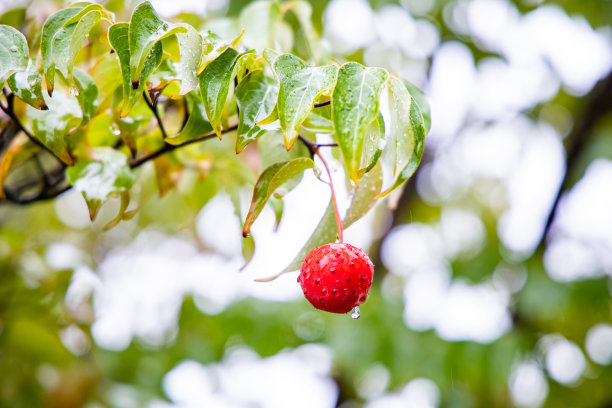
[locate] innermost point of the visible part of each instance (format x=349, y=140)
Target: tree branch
x=153, y=106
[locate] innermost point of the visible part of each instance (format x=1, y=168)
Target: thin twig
x=321, y=104
x=153, y=107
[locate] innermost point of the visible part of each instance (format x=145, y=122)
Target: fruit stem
x=315, y=149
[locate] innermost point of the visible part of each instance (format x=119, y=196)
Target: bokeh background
x=492, y=284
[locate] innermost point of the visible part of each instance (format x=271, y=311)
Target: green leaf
x=52, y=126
x=190, y=47
x=326, y=232
x=69, y=40
x=27, y=86
x=107, y=76
x=272, y=178
x=354, y=106
x=256, y=97
x=146, y=29
x=196, y=125
x=365, y=195
x=299, y=16
x=407, y=137
x=107, y=173
x=87, y=95
x=54, y=24
x=14, y=55
x=300, y=84
x=215, y=82
x=420, y=99
x=259, y=20
x=374, y=144
x=118, y=37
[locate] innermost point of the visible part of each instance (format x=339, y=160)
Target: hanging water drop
x=355, y=313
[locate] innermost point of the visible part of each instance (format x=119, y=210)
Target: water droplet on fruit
x=334, y=291
x=317, y=281
x=332, y=270
x=355, y=313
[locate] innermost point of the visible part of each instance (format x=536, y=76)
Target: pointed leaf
x=190, y=47
x=420, y=99
x=272, y=178
x=326, y=232
x=125, y=202
x=87, y=95
x=354, y=106
x=27, y=86
x=256, y=97
x=374, y=144
x=118, y=37
x=407, y=139
x=53, y=24
x=300, y=84
x=107, y=173
x=69, y=40
x=215, y=82
x=196, y=125
x=145, y=30
x=52, y=126
x=364, y=196
x=14, y=55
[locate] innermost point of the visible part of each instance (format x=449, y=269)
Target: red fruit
x=336, y=277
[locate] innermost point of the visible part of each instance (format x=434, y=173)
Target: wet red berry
x=336, y=277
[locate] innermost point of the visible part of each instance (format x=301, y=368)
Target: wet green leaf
x=256, y=97
x=300, y=84
x=106, y=173
x=272, y=150
x=354, y=106
x=87, y=95
x=373, y=145
x=27, y=86
x=420, y=99
x=14, y=55
x=52, y=126
x=318, y=123
x=364, y=196
x=118, y=37
x=407, y=137
x=69, y=40
x=299, y=15
x=190, y=47
x=146, y=29
x=215, y=82
x=272, y=178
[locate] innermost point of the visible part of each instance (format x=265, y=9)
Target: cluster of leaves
x=97, y=122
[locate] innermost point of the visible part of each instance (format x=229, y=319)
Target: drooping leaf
x=118, y=37
x=407, y=137
x=373, y=145
x=420, y=99
x=364, y=196
x=14, y=54
x=107, y=76
x=196, y=125
x=272, y=178
x=10, y=156
x=354, y=106
x=69, y=40
x=259, y=20
x=87, y=95
x=108, y=172
x=27, y=86
x=278, y=205
x=190, y=46
x=215, y=82
x=52, y=126
x=55, y=24
x=213, y=46
x=125, y=202
x=300, y=84
x=326, y=232
x=146, y=29
x=256, y=97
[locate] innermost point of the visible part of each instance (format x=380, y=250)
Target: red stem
x=333, y=194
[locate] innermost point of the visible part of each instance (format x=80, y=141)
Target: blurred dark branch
x=598, y=103
x=152, y=104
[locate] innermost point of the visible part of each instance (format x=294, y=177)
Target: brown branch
x=598, y=104
x=321, y=104
x=153, y=107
